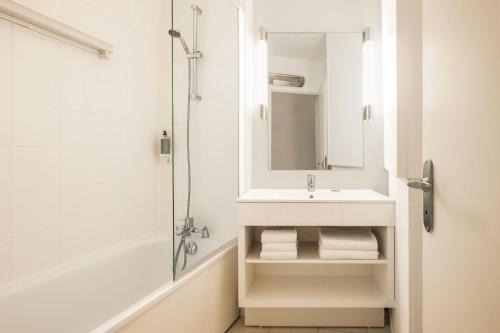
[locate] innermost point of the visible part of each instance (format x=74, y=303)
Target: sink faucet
x=311, y=183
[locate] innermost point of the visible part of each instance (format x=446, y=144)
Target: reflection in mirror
x=315, y=100
x=293, y=122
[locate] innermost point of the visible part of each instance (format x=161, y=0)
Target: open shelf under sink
x=315, y=292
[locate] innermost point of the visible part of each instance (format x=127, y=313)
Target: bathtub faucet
x=203, y=231
x=188, y=228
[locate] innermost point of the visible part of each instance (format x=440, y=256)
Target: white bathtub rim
x=74, y=265
x=143, y=305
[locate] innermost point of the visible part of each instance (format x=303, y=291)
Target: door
x=461, y=134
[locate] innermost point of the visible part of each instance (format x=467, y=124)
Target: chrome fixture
x=367, y=112
x=194, y=92
x=177, y=34
x=286, y=80
x=191, y=248
x=187, y=228
x=426, y=184
x=27, y=18
x=366, y=35
x=263, y=33
x=191, y=56
x=311, y=183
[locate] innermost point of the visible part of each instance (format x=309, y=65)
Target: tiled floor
x=239, y=327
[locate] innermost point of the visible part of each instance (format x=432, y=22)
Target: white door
x=461, y=134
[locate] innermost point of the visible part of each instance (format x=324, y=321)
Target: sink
x=320, y=195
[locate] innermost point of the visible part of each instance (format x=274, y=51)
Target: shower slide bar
x=196, y=12
x=28, y=18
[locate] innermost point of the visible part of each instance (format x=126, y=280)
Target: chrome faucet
x=188, y=228
x=203, y=231
x=311, y=183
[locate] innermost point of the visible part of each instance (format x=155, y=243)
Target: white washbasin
x=320, y=195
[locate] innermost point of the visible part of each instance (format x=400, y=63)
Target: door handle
x=426, y=184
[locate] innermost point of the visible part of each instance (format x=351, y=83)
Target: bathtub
x=102, y=293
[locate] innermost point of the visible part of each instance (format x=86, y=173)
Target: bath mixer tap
x=203, y=231
x=311, y=183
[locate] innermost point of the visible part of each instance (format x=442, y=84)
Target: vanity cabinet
x=310, y=291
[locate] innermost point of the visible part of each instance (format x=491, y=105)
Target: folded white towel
x=279, y=247
x=347, y=239
x=279, y=236
x=278, y=255
x=348, y=254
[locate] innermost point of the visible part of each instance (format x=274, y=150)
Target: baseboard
x=314, y=317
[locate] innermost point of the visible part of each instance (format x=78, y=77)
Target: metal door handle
x=426, y=184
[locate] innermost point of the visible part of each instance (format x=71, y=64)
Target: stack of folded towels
x=337, y=243
x=279, y=244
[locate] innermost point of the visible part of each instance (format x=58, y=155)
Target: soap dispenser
x=165, y=146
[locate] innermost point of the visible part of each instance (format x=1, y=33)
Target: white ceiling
x=301, y=45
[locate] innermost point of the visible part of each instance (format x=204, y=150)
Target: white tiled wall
x=79, y=170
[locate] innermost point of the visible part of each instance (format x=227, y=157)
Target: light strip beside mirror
x=262, y=73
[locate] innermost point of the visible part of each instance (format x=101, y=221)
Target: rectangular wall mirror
x=315, y=100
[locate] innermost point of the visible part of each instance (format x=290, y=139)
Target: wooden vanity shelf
x=307, y=253
x=310, y=291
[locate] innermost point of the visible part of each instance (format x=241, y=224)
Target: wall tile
x=34, y=211
x=5, y=121
x=5, y=36
x=73, y=93
x=5, y=78
x=51, y=8
x=35, y=168
x=110, y=165
x=35, y=82
x=5, y=215
x=35, y=125
x=32, y=45
x=77, y=129
x=5, y=169
x=79, y=204
x=80, y=133
x=78, y=240
x=78, y=167
x=35, y=253
x=5, y=259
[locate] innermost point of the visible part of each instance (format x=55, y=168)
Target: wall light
x=262, y=73
x=368, y=74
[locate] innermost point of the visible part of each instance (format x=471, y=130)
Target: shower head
x=177, y=34
x=174, y=33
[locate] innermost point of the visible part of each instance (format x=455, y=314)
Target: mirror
x=315, y=100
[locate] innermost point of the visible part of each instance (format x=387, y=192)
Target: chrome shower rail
x=26, y=17
x=194, y=92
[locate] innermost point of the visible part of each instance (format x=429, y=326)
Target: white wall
x=214, y=119
x=403, y=151
x=79, y=165
x=325, y=16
